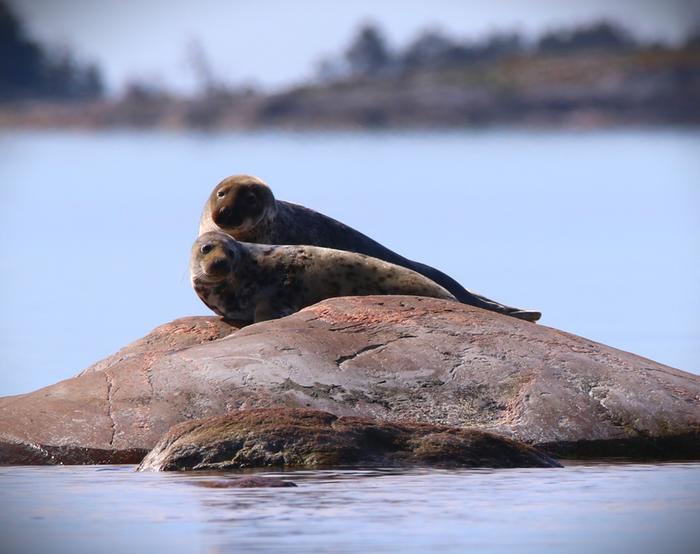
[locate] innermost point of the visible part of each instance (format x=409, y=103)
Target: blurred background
x=544, y=153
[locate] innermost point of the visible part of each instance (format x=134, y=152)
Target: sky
x=275, y=43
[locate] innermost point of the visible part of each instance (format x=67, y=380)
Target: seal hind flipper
x=527, y=315
x=469, y=297
x=519, y=313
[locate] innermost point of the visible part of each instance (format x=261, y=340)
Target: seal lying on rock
x=254, y=282
x=244, y=207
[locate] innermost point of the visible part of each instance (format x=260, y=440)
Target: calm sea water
x=598, y=230
x=579, y=509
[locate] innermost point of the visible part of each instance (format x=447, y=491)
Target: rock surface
x=310, y=438
x=73, y=422
x=390, y=358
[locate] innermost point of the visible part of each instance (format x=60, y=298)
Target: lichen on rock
x=289, y=437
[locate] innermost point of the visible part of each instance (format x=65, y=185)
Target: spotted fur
x=266, y=282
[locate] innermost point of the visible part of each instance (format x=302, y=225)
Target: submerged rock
x=311, y=438
x=391, y=358
x=248, y=482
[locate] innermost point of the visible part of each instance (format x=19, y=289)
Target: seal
x=244, y=207
x=246, y=282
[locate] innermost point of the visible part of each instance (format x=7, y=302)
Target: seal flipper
x=527, y=315
x=472, y=298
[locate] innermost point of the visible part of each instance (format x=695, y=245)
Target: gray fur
x=256, y=282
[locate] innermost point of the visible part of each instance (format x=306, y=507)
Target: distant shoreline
x=649, y=88
x=576, y=123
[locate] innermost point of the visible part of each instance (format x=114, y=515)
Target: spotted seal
x=254, y=282
x=244, y=207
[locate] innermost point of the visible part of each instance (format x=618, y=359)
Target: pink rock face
x=391, y=358
x=75, y=421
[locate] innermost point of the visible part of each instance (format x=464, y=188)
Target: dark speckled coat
x=267, y=282
x=295, y=224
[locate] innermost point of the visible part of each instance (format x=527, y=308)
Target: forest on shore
x=597, y=74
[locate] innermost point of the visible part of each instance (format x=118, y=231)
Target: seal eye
x=206, y=248
x=221, y=193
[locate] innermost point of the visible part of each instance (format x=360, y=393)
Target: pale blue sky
x=273, y=42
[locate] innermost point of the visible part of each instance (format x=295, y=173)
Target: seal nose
x=219, y=266
x=206, y=248
x=229, y=216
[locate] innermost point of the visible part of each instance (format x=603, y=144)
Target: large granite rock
x=391, y=358
x=298, y=437
x=75, y=421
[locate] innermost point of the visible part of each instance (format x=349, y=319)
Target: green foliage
x=368, y=54
x=597, y=36
x=693, y=39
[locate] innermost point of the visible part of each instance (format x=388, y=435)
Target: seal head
x=213, y=258
x=240, y=204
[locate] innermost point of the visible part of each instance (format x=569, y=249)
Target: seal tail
x=469, y=297
x=527, y=315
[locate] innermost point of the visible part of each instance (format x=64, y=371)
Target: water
x=598, y=230
x=579, y=509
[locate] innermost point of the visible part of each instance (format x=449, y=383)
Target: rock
x=171, y=337
x=390, y=358
x=73, y=422
x=250, y=482
x=292, y=437
x=15, y=451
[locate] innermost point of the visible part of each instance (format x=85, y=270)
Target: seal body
x=253, y=282
x=244, y=207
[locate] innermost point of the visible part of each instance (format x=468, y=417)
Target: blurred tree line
x=31, y=70
x=369, y=54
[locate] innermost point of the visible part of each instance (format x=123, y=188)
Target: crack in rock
x=149, y=378
x=340, y=360
x=109, y=408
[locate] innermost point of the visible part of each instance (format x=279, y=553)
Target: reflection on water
x=581, y=508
